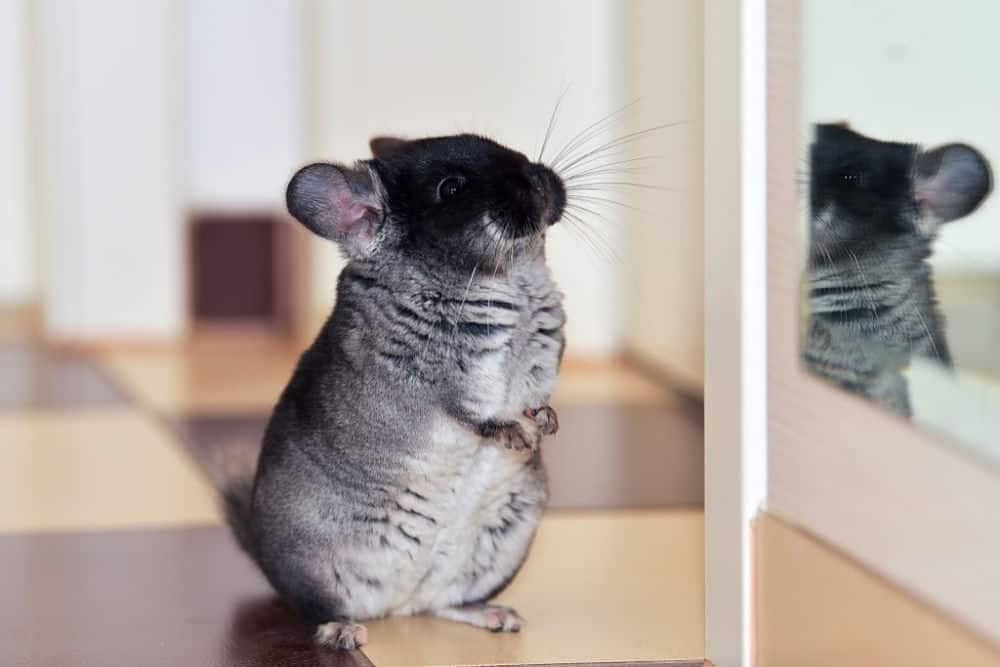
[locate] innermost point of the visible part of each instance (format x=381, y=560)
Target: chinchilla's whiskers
x=552, y=122
x=593, y=199
x=605, y=171
x=617, y=157
x=599, y=186
x=588, y=133
x=597, y=242
x=865, y=283
x=461, y=306
x=581, y=213
x=617, y=142
x=582, y=170
x=578, y=229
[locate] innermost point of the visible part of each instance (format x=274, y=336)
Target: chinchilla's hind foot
x=344, y=636
x=494, y=618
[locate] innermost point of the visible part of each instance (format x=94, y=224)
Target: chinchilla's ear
x=386, y=146
x=950, y=182
x=341, y=204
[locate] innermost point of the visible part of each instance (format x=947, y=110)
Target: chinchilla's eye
x=449, y=187
x=859, y=179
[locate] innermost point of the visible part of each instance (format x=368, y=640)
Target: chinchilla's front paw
x=525, y=432
x=521, y=435
x=545, y=417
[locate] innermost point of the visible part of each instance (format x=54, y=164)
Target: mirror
x=902, y=287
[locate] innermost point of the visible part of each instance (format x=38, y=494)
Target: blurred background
x=155, y=296
x=146, y=148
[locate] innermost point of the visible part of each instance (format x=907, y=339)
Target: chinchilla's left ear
x=385, y=146
x=338, y=203
x=950, y=182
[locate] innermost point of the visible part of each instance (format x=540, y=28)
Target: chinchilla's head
x=459, y=201
x=867, y=194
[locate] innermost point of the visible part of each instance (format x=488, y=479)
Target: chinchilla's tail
x=230, y=466
x=236, y=504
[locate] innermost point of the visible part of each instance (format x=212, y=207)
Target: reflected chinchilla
x=875, y=210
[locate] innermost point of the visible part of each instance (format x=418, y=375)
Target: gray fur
x=870, y=310
x=415, y=509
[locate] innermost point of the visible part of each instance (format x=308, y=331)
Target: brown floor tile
x=626, y=456
x=34, y=378
x=151, y=597
x=603, y=456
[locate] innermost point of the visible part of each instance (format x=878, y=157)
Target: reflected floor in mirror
x=107, y=461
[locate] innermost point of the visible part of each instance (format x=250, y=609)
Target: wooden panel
x=817, y=607
x=233, y=265
x=905, y=503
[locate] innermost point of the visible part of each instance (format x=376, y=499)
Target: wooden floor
x=816, y=606
x=111, y=551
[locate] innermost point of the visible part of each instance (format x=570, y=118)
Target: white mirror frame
x=735, y=317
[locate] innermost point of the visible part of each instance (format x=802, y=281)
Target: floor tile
x=608, y=586
x=817, y=607
x=148, y=597
x=229, y=376
x=233, y=375
x=96, y=469
x=601, y=586
x=603, y=456
x=35, y=378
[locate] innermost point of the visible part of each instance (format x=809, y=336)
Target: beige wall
x=498, y=68
x=18, y=282
x=448, y=66
x=666, y=236
x=924, y=75
x=107, y=126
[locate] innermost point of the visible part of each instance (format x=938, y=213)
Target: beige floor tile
x=95, y=469
x=233, y=376
x=246, y=376
x=601, y=586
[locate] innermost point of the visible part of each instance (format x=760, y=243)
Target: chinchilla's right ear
x=950, y=182
x=338, y=203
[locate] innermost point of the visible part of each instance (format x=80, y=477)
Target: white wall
x=244, y=101
x=107, y=171
x=17, y=229
x=923, y=73
x=493, y=67
x=666, y=236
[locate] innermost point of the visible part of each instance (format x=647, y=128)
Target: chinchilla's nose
x=548, y=192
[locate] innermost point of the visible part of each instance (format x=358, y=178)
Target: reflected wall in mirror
x=903, y=263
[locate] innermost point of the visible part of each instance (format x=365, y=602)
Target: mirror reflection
x=903, y=259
